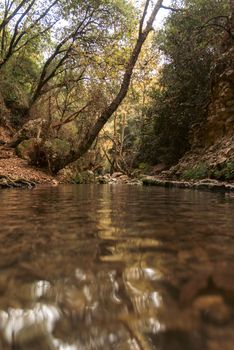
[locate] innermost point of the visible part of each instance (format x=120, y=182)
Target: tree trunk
x=108, y=112
x=92, y=134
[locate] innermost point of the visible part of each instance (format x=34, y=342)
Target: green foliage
x=26, y=149
x=15, y=99
x=144, y=167
x=78, y=179
x=20, y=73
x=197, y=173
x=54, y=152
x=180, y=98
x=226, y=172
x=17, y=79
x=84, y=177
x=52, y=47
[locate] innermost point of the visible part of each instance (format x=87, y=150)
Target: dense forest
x=99, y=83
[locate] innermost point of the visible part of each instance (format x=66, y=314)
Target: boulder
x=56, y=151
x=26, y=148
x=50, y=154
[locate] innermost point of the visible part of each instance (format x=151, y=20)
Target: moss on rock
x=26, y=148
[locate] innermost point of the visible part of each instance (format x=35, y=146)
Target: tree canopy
x=70, y=64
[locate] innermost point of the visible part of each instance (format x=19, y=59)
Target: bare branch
x=71, y=117
x=143, y=16
x=172, y=8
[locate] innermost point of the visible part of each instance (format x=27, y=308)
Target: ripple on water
x=116, y=267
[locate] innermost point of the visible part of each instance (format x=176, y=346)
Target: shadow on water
x=116, y=267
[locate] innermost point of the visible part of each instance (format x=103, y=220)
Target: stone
x=26, y=148
x=213, y=308
x=34, y=337
x=31, y=129
x=56, y=151
x=152, y=181
x=157, y=169
x=230, y=188
x=102, y=180
x=116, y=174
x=208, y=181
x=123, y=178
x=210, y=186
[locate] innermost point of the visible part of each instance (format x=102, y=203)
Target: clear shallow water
x=116, y=267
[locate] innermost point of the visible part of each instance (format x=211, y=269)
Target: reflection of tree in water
x=86, y=280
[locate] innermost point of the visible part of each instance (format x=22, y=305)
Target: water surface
x=116, y=267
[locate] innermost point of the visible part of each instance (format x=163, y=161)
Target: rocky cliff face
x=213, y=142
x=220, y=121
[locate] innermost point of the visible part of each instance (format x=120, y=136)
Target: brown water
x=116, y=267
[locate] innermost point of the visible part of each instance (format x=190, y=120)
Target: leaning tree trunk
x=108, y=112
x=92, y=134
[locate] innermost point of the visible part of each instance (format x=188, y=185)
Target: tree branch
x=172, y=8
x=71, y=117
x=143, y=16
x=113, y=106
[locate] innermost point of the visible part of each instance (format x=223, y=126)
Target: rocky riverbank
x=18, y=173
x=204, y=184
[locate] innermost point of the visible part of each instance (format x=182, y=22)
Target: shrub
x=225, y=173
x=197, y=173
x=145, y=167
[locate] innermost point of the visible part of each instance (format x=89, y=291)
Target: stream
x=101, y=267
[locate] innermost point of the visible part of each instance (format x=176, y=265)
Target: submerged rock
x=34, y=337
x=213, y=308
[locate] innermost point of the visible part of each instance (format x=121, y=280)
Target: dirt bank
x=16, y=172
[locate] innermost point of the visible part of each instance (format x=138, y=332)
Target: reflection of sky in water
x=63, y=346
x=14, y=320
x=40, y=288
x=110, y=269
x=42, y=318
